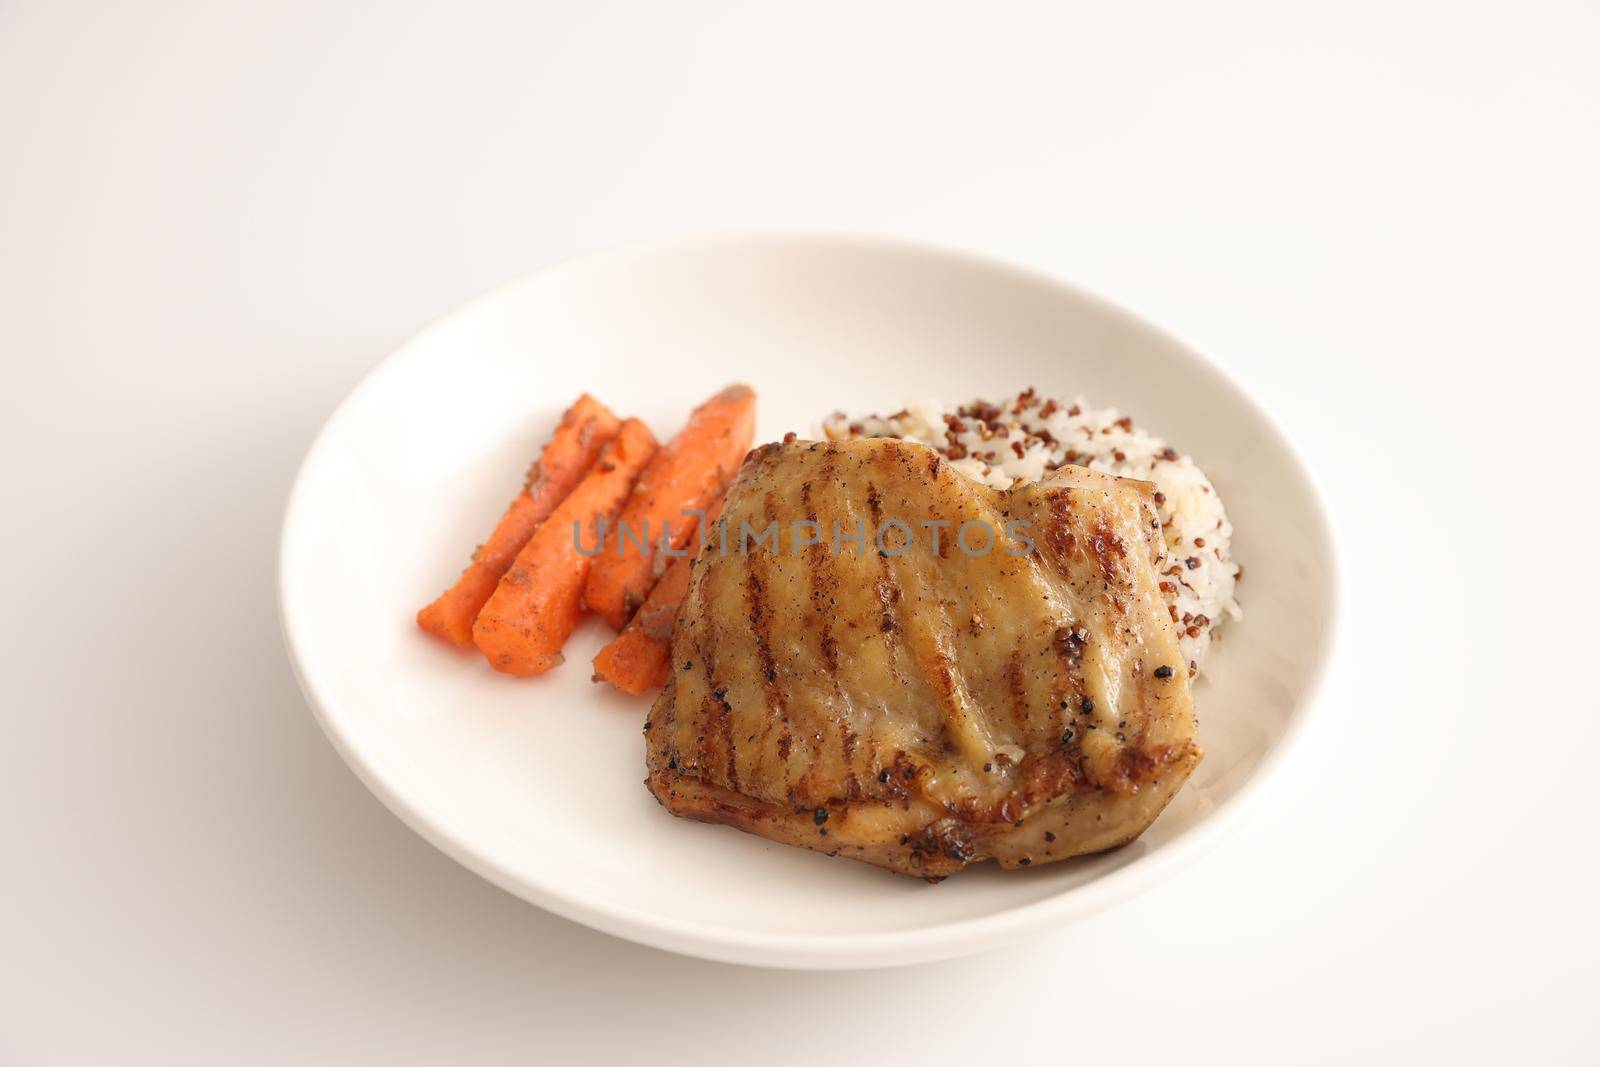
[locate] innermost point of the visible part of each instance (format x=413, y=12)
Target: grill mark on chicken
x=825, y=566
x=888, y=593
x=886, y=589
x=760, y=620
x=705, y=754
x=1068, y=645
x=1017, y=688
x=823, y=582
x=1059, y=536
x=715, y=712
x=1108, y=548
x=847, y=747
x=704, y=652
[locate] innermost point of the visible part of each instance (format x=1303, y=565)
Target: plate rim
x=833, y=951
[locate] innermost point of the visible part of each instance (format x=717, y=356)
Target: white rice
x=1017, y=441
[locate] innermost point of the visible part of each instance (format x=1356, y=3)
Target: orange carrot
x=536, y=605
x=639, y=658
x=689, y=473
x=586, y=428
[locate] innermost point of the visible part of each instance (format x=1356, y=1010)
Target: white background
x=215, y=217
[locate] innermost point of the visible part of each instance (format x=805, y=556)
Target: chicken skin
x=854, y=674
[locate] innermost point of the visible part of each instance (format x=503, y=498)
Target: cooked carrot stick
x=639, y=658
x=586, y=428
x=536, y=605
x=689, y=473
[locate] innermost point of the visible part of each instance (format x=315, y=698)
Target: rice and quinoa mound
x=1021, y=439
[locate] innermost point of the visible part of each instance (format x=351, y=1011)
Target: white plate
x=536, y=784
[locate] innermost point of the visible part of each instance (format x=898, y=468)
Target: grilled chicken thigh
x=921, y=706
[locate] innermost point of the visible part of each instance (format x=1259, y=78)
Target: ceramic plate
x=536, y=784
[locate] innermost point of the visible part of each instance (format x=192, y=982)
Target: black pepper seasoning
x=1163, y=671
